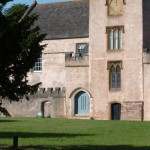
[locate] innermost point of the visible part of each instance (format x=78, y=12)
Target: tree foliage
x=19, y=48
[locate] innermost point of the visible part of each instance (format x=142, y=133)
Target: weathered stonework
x=115, y=7
x=130, y=55
x=132, y=111
x=146, y=83
x=45, y=103
x=76, y=60
x=88, y=73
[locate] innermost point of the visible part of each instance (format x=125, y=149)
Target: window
x=115, y=35
x=38, y=65
x=115, y=74
x=82, y=48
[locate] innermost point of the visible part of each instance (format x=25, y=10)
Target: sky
x=29, y=2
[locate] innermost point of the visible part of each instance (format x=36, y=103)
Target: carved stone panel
x=115, y=7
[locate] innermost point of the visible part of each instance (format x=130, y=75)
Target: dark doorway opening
x=115, y=111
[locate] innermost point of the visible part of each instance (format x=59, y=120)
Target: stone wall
x=62, y=67
x=130, y=56
x=146, y=58
x=45, y=103
x=146, y=83
x=53, y=72
x=76, y=60
x=59, y=70
x=132, y=111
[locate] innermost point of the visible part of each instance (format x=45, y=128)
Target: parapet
x=49, y=92
x=76, y=59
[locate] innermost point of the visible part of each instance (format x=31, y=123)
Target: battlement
x=76, y=59
x=49, y=92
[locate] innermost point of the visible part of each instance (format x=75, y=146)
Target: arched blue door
x=82, y=103
x=115, y=111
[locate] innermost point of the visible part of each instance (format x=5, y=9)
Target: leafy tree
x=19, y=48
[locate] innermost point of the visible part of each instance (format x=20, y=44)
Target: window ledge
x=115, y=15
x=37, y=71
x=114, y=50
x=115, y=90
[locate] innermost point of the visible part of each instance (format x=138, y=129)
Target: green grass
x=60, y=134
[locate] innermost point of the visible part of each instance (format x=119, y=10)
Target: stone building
x=96, y=63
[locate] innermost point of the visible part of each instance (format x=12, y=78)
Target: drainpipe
x=142, y=110
x=142, y=113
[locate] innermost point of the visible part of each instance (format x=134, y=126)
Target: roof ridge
x=69, y=1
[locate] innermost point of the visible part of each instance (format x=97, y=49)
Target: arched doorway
x=82, y=103
x=115, y=111
x=46, y=109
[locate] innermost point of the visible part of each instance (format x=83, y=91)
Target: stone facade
x=45, y=103
x=76, y=78
x=130, y=55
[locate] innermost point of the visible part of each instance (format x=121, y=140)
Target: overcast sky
x=29, y=2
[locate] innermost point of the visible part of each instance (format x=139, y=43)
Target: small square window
x=82, y=48
x=38, y=65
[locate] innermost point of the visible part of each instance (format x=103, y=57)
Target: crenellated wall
x=45, y=103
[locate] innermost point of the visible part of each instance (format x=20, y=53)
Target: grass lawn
x=60, y=134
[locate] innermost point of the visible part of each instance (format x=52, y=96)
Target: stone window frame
x=120, y=38
x=115, y=64
x=72, y=100
x=38, y=65
x=107, y=4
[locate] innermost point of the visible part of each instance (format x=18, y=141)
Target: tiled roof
x=64, y=19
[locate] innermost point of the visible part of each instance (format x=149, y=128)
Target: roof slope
x=64, y=19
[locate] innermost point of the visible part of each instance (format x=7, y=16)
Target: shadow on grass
x=5, y=121
x=37, y=135
x=87, y=147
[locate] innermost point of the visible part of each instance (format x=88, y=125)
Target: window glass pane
x=118, y=76
x=110, y=39
x=38, y=65
x=120, y=39
x=112, y=77
x=82, y=48
x=116, y=39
